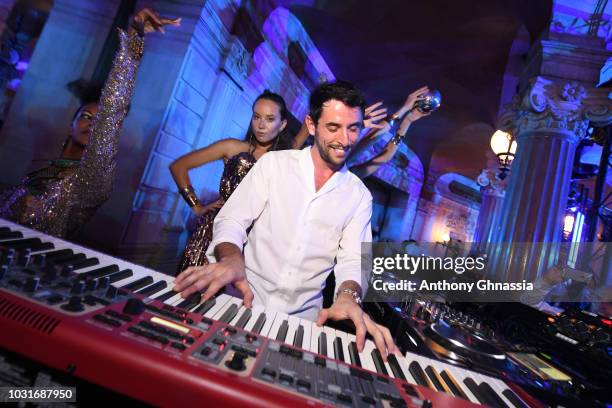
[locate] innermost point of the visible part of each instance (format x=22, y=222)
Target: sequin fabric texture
x=60, y=198
x=235, y=169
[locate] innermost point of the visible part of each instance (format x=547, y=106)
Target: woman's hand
x=201, y=209
x=373, y=115
x=147, y=21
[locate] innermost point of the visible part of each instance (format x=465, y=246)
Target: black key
x=138, y=283
x=453, y=385
x=166, y=296
x=338, y=352
x=99, y=273
x=10, y=234
x=473, y=387
x=244, y=319
x=153, y=289
x=378, y=362
x=299, y=336
x=395, y=367
x=432, y=374
x=21, y=243
x=323, y=344
x=419, y=375
x=84, y=263
x=191, y=301
x=494, y=399
x=229, y=314
x=117, y=276
x=513, y=398
x=58, y=254
x=354, y=354
x=282, y=331
x=259, y=324
x=204, y=307
x=65, y=261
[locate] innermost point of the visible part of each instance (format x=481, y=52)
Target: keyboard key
x=474, y=389
x=153, y=289
x=378, y=362
x=259, y=323
x=322, y=349
x=354, y=354
x=229, y=314
x=244, y=318
x=395, y=367
x=282, y=331
x=452, y=384
x=299, y=336
x=206, y=306
x=338, y=352
x=419, y=375
x=138, y=284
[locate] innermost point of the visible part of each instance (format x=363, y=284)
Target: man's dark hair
x=341, y=91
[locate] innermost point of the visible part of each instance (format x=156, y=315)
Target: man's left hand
x=345, y=308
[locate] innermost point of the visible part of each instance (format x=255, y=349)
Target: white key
x=330, y=334
x=342, y=336
x=270, y=317
x=315, y=332
x=307, y=325
x=366, y=359
x=294, y=322
x=220, y=301
x=367, y=350
x=278, y=321
x=461, y=374
x=230, y=302
x=255, y=312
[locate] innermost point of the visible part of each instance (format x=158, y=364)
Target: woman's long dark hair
x=284, y=140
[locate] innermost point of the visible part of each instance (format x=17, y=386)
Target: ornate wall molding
x=564, y=108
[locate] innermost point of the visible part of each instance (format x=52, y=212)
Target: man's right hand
x=210, y=278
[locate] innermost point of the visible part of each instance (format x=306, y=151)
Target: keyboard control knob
x=75, y=304
x=237, y=362
x=134, y=306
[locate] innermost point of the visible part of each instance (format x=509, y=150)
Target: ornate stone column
x=549, y=121
x=487, y=225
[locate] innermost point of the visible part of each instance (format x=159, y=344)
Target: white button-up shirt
x=299, y=235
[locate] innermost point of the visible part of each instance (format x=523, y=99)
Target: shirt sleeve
x=243, y=207
x=357, y=231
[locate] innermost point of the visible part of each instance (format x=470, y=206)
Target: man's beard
x=324, y=152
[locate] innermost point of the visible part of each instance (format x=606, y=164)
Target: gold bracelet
x=190, y=196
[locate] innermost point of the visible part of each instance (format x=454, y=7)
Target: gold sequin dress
x=61, y=197
x=235, y=169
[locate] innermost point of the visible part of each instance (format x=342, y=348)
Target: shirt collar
x=307, y=165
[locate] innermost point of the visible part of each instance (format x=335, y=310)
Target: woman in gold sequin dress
x=61, y=197
x=267, y=132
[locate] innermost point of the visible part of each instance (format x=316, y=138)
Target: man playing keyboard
x=309, y=216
